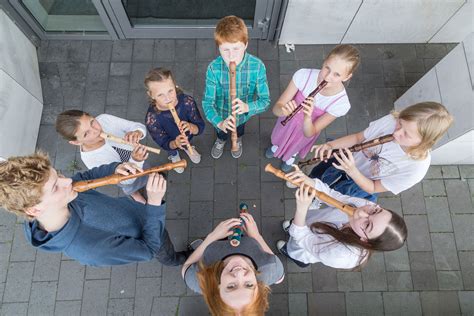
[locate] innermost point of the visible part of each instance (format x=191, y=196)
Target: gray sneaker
x=218, y=148
x=236, y=154
x=176, y=158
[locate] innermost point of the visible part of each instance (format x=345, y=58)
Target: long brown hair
x=209, y=278
x=158, y=75
x=432, y=120
x=392, y=238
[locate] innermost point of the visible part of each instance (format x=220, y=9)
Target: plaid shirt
x=252, y=88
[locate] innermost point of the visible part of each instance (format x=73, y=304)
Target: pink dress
x=290, y=139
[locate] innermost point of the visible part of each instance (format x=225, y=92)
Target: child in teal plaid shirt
x=253, y=96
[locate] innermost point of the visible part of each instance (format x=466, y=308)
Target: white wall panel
x=458, y=27
x=18, y=57
x=317, y=21
x=457, y=151
x=20, y=115
x=400, y=21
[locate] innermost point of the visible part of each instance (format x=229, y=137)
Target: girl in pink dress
x=300, y=133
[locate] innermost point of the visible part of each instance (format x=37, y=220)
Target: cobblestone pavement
x=432, y=275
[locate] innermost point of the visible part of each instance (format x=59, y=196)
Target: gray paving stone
x=97, y=77
x=385, y=98
x=272, y=199
x=466, y=171
x=71, y=281
x=149, y=269
x=225, y=168
x=139, y=70
x=202, y=184
x=393, y=72
x=225, y=200
x=349, y=281
x=122, y=281
x=365, y=303
x=172, y=283
x=402, y=303
x=291, y=267
x=57, y=51
x=176, y=206
x=18, y=284
x=42, y=51
x=399, y=281
x=423, y=271
x=326, y=304
x=14, y=309
x=459, y=197
x=413, y=201
x=200, y=213
x=374, y=277
x=47, y=266
x=97, y=273
x=418, y=236
x=185, y=50
x=297, y=304
x=284, y=55
x=120, y=306
x=450, y=280
x=184, y=74
x=7, y=227
x=299, y=282
x=392, y=203
x=166, y=306
x=101, y=51
x=271, y=231
x=251, y=151
x=94, y=102
x=324, y=278
x=413, y=65
x=4, y=261
x=73, y=72
x=78, y=51
x=465, y=301
x=120, y=69
x=164, y=50
x=143, y=50
x=439, y=217
x=42, y=298
x=67, y=308
x=450, y=172
x=192, y=305
x=463, y=231
x=444, y=251
x=278, y=305
x=250, y=176
x=269, y=51
x=434, y=172
x=440, y=303
x=122, y=50
x=147, y=288
x=434, y=188
x=466, y=260
x=206, y=49
x=430, y=51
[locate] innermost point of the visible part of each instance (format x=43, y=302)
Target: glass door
x=189, y=18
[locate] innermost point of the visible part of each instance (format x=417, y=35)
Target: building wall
x=376, y=21
x=450, y=82
x=21, y=99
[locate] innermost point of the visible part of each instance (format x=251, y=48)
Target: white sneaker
x=286, y=225
x=195, y=157
x=176, y=158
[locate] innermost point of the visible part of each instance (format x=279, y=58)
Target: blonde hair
x=209, y=280
x=231, y=29
x=159, y=75
x=432, y=120
x=22, y=180
x=348, y=53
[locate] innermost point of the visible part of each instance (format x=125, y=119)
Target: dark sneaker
x=286, y=168
x=269, y=153
x=218, y=148
x=281, y=246
x=236, y=154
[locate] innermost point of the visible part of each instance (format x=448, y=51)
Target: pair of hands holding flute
x=229, y=124
x=291, y=105
x=343, y=156
x=155, y=187
x=181, y=141
x=139, y=152
x=224, y=228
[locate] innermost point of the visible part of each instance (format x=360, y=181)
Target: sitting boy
x=90, y=227
x=251, y=84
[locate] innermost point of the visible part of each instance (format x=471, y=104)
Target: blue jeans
x=338, y=180
x=224, y=136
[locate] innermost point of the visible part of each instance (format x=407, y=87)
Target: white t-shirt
x=107, y=154
x=388, y=163
x=309, y=247
x=339, y=108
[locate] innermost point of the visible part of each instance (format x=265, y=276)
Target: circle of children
x=98, y=230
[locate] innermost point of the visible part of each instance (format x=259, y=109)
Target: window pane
x=65, y=15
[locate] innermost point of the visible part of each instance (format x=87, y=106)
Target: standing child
x=251, y=83
x=163, y=93
x=300, y=133
x=394, y=166
x=83, y=130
